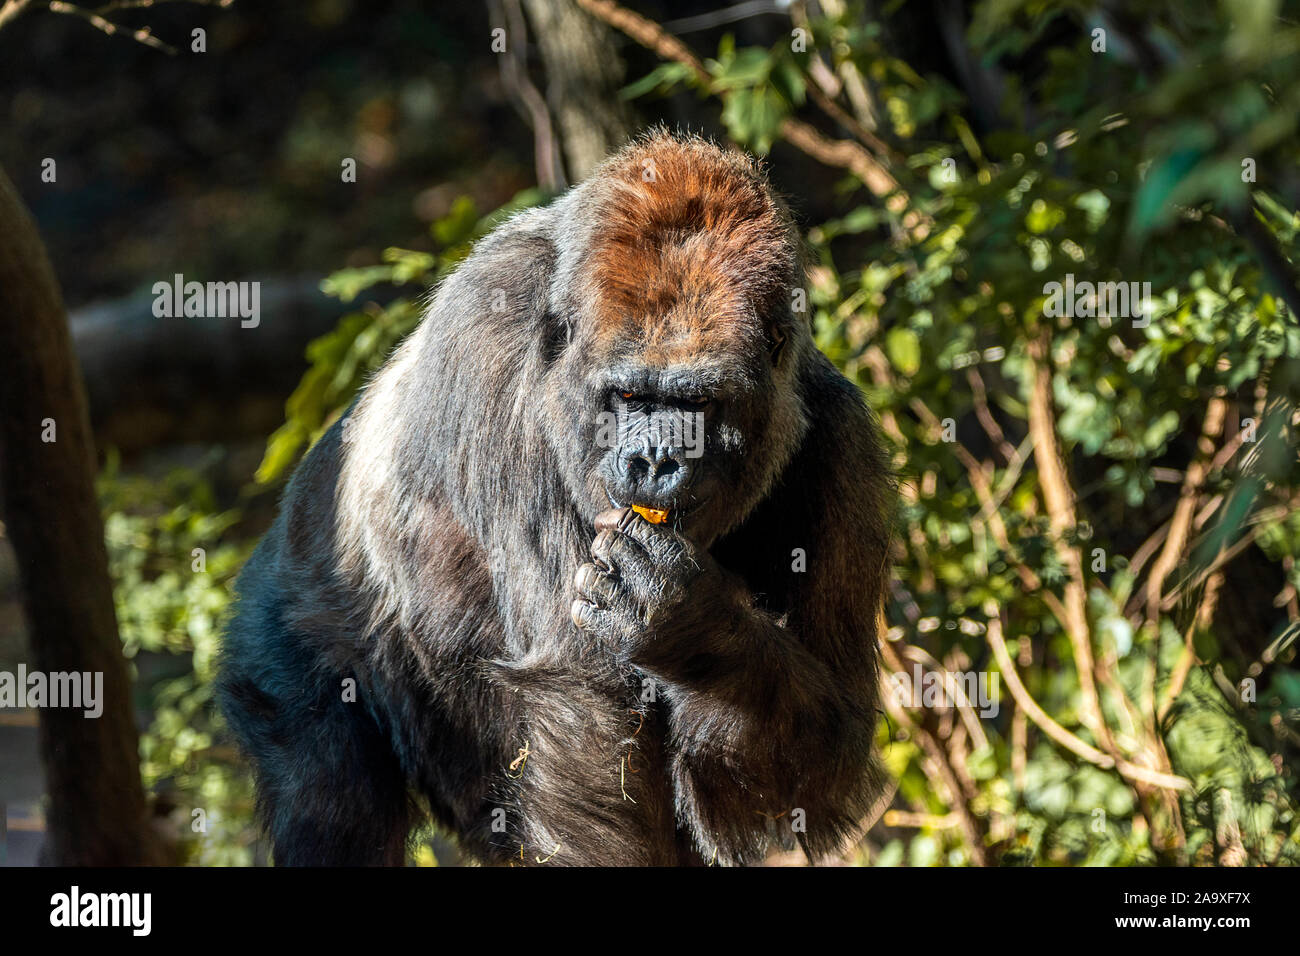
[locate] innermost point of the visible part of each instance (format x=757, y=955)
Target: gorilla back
x=592, y=568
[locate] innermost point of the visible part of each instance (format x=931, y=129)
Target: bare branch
x=1059, y=497
x=531, y=103
x=117, y=5
x=11, y=9
x=1058, y=733
x=1181, y=523
x=140, y=35
x=985, y=415
x=970, y=827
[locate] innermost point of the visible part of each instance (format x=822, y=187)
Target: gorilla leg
x=331, y=792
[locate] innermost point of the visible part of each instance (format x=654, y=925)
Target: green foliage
x=173, y=563
x=341, y=360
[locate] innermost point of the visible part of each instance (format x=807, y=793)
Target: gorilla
x=591, y=572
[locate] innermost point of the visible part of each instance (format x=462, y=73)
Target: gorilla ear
x=776, y=339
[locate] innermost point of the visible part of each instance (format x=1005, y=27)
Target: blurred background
x=1098, y=508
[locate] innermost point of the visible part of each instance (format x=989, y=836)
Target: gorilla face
x=673, y=444
x=691, y=436
x=657, y=441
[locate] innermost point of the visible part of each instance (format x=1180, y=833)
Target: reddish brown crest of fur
x=690, y=245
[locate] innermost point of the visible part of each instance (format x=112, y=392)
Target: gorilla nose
x=657, y=474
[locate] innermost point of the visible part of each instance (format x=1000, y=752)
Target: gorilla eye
x=628, y=395
x=697, y=401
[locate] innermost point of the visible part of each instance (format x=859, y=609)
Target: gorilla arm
x=771, y=702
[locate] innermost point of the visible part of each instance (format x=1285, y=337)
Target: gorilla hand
x=648, y=591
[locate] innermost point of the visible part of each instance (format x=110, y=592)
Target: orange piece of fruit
x=653, y=515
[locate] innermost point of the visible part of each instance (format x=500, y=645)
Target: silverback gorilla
x=459, y=612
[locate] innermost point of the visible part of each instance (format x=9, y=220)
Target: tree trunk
x=583, y=76
x=97, y=810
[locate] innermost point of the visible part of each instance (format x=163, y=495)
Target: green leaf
x=661, y=80
x=903, y=346
x=1153, y=208
x=347, y=284
x=458, y=225
x=754, y=116
x=749, y=67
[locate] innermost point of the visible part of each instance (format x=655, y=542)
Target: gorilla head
x=678, y=386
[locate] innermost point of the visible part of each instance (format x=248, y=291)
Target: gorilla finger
x=600, y=623
x=618, y=552
x=612, y=518
x=660, y=541
x=586, y=616
x=595, y=585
